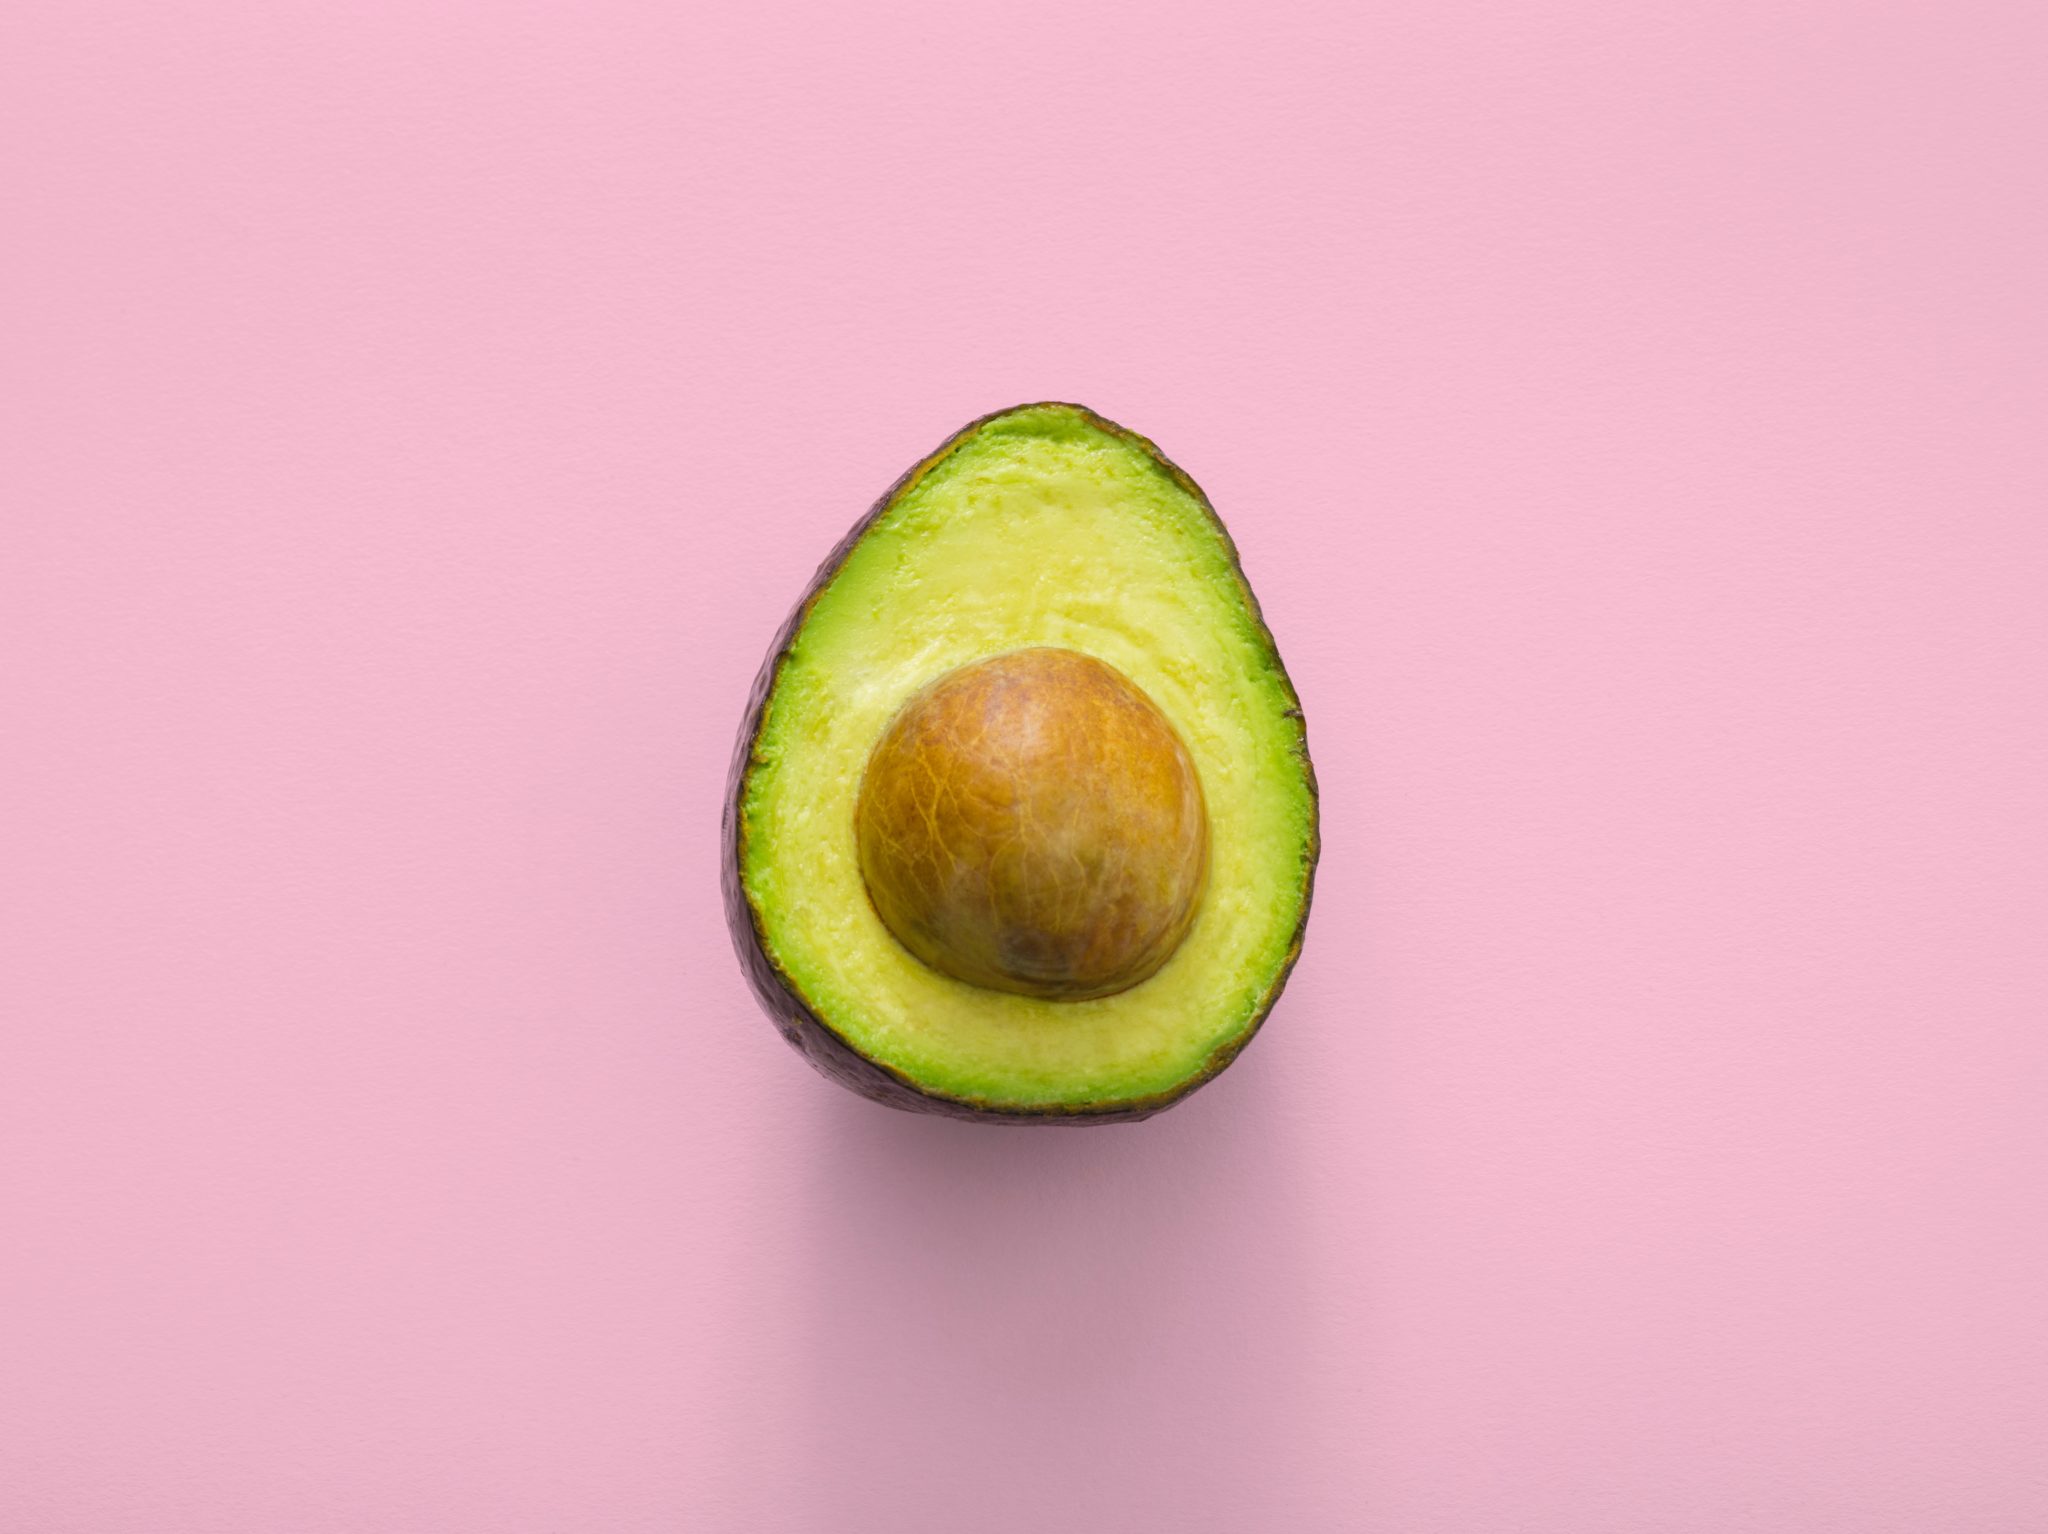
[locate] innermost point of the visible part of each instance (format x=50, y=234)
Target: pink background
x=418, y=417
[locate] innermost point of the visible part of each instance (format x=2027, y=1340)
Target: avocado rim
x=779, y=996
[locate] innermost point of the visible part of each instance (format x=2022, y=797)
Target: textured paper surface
x=416, y=420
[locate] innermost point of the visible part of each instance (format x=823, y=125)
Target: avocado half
x=1042, y=525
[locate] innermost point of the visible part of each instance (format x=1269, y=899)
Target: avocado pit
x=1032, y=823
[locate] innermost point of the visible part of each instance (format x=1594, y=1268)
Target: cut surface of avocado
x=1039, y=527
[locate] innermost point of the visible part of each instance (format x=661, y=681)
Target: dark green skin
x=778, y=994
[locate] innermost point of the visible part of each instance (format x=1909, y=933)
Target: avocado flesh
x=1040, y=526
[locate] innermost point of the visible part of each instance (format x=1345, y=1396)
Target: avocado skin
x=778, y=994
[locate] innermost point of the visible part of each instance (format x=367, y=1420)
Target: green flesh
x=1040, y=526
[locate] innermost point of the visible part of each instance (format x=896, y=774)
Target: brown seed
x=1031, y=823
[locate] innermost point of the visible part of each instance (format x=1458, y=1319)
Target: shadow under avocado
x=990, y=1309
